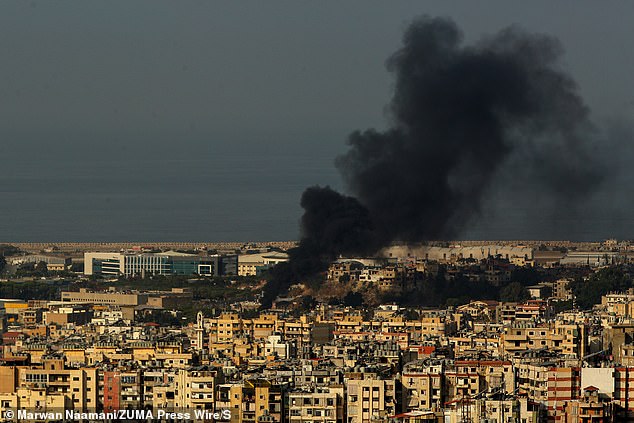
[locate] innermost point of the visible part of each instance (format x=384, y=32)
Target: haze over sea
x=171, y=191
x=205, y=121
x=182, y=190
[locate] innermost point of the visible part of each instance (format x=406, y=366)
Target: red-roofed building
x=10, y=338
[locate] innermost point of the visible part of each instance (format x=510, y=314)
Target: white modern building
x=165, y=263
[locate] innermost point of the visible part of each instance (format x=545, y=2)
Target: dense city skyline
x=328, y=212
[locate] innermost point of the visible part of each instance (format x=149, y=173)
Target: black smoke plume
x=332, y=224
x=459, y=112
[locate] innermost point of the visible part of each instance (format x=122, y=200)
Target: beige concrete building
x=252, y=401
x=321, y=405
x=561, y=290
x=112, y=298
x=8, y=379
x=456, y=252
x=194, y=389
x=78, y=315
x=567, y=338
x=370, y=399
x=253, y=264
x=79, y=386
x=225, y=328
x=422, y=388
x=40, y=400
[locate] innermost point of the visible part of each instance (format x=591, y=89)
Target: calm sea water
x=115, y=196
x=180, y=192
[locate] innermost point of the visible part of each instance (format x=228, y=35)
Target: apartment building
x=195, y=388
x=320, y=405
x=122, y=389
x=567, y=338
x=276, y=348
x=418, y=392
x=229, y=326
x=225, y=328
x=155, y=379
x=32, y=399
x=590, y=408
x=79, y=387
x=561, y=290
x=532, y=379
x=297, y=331
x=369, y=398
x=564, y=384
x=252, y=400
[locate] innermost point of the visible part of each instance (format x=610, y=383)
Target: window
x=36, y=378
x=128, y=379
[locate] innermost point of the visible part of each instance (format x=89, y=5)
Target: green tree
x=29, y=290
x=526, y=276
x=344, y=279
x=353, y=299
x=559, y=306
x=77, y=267
x=9, y=250
x=41, y=268
x=589, y=291
x=308, y=303
x=514, y=292
x=411, y=314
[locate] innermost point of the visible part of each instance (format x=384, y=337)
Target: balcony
x=248, y=407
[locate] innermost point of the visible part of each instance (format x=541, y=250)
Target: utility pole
x=502, y=399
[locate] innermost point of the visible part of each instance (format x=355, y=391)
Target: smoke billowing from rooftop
x=458, y=114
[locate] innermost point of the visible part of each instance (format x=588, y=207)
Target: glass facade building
x=126, y=264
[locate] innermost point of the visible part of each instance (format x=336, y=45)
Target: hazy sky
x=204, y=120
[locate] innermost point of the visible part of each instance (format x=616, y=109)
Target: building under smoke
x=459, y=114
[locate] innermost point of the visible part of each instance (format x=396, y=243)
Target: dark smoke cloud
x=332, y=224
x=458, y=114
